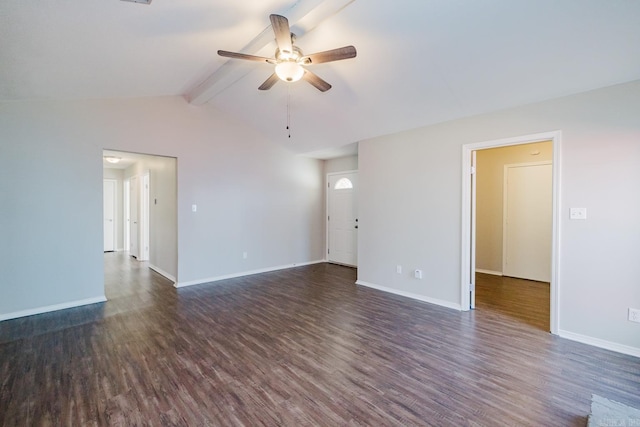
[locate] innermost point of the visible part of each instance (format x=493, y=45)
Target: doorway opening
x=146, y=210
x=510, y=223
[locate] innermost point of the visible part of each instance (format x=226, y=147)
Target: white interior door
x=528, y=219
x=127, y=213
x=134, y=204
x=343, y=218
x=144, y=220
x=109, y=214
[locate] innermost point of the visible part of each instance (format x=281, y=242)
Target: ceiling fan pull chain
x=289, y=110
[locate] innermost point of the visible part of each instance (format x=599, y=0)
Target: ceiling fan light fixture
x=289, y=60
x=289, y=71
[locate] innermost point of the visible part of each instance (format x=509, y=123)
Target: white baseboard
x=418, y=297
x=162, y=272
x=597, y=342
x=493, y=273
x=49, y=308
x=244, y=273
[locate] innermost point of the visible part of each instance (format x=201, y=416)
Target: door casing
x=467, y=279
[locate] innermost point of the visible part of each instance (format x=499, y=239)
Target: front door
x=343, y=218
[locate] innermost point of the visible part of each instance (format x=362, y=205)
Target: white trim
x=597, y=342
x=162, y=272
x=467, y=149
x=49, y=308
x=145, y=207
x=473, y=178
x=244, y=273
x=493, y=273
x=418, y=297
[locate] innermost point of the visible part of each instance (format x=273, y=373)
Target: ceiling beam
x=303, y=16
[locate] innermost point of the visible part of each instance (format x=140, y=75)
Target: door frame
x=143, y=219
x=134, y=204
x=468, y=212
x=326, y=209
x=114, y=213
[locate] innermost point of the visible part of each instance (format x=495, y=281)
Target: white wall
x=51, y=209
x=252, y=195
x=341, y=164
x=410, y=207
x=117, y=175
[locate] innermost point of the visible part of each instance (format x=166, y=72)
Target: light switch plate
x=578, y=213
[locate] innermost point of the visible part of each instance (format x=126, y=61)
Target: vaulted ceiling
x=418, y=63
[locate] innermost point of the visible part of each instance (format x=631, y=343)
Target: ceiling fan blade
x=281, y=29
x=268, y=84
x=237, y=55
x=316, y=81
x=329, y=55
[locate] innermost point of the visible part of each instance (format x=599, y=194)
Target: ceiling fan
x=290, y=63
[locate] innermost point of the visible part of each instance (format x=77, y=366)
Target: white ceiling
x=126, y=159
x=419, y=61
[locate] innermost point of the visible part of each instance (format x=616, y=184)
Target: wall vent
x=139, y=1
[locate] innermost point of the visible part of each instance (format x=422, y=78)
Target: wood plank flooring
x=521, y=300
x=297, y=347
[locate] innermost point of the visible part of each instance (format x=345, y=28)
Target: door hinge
x=328, y=251
x=473, y=170
x=472, y=287
x=328, y=217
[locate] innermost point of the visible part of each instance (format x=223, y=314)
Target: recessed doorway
x=484, y=245
x=146, y=200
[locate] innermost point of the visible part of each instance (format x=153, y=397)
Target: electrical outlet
x=244, y=255
x=399, y=269
x=578, y=213
x=634, y=315
x=417, y=274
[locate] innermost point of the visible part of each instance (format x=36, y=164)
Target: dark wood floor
x=298, y=347
x=524, y=301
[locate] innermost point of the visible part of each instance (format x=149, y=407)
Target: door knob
x=356, y=226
